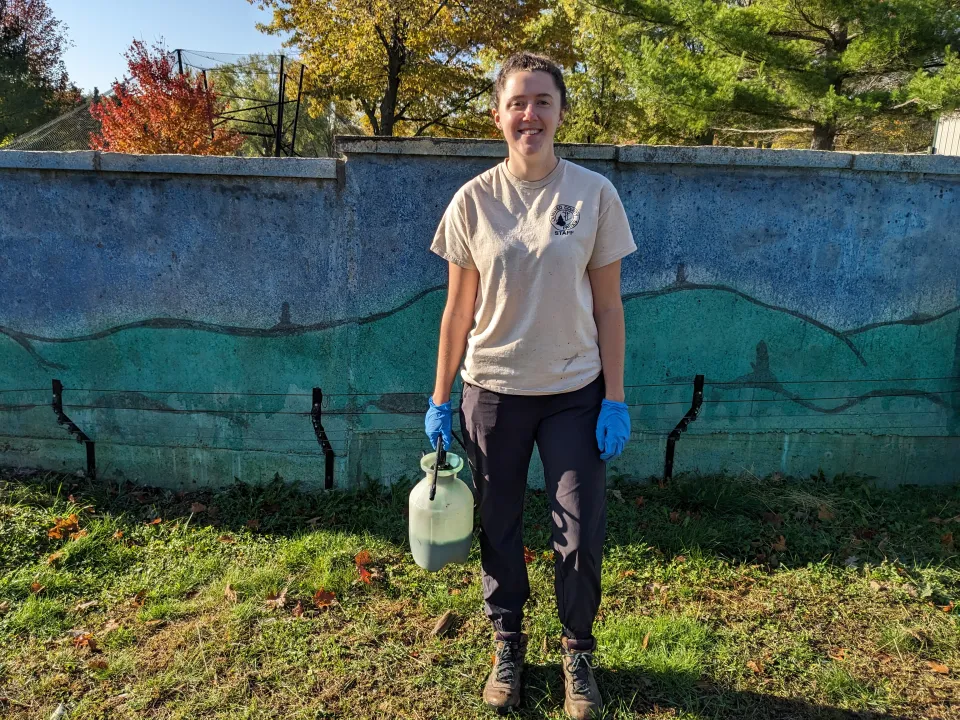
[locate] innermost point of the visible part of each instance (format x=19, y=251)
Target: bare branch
x=458, y=106
x=435, y=13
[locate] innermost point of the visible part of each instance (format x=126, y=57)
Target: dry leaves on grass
x=756, y=666
x=323, y=599
x=80, y=607
x=197, y=508
x=780, y=544
x=824, y=513
x=298, y=609
x=63, y=527
x=118, y=535
x=947, y=540
x=362, y=559
x=639, y=501
x=4, y=607
x=253, y=524
x=230, y=594
x=155, y=521
x=646, y=641
x=51, y=559
x=36, y=588
x=528, y=555
x=837, y=654
x=97, y=665
x=227, y=539
x=277, y=601
x=85, y=641
x=938, y=667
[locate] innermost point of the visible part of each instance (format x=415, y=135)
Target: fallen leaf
x=824, y=513
x=70, y=499
x=85, y=640
x=154, y=624
x=362, y=558
x=58, y=555
x=64, y=526
x=646, y=641
x=36, y=588
x=681, y=558
x=674, y=517
x=118, y=535
x=639, y=501
x=938, y=668
x=628, y=573
x=155, y=521
x=80, y=607
x=454, y=591
x=755, y=666
x=4, y=606
x=443, y=624
x=774, y=519
x=97, y=664
x=77, y=535
x=528, y=555
x=137, y=600
x=227, y=539
x=947, y=540
x=229, y=593
x=253, y=524
x=197, y=507
x=297, y=609
x=278, y=600
x=948, y=607
x=837, y=654
x=780, y=544
x=874, y=585
x=323, y=599
x=111, y=626
x=364, y=574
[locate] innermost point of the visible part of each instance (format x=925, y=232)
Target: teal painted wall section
x=189, y=317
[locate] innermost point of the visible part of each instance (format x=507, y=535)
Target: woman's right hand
x=439, y=423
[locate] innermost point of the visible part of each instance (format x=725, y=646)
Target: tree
x=410, y=66
x=34, y=85
x=762, y=68
x=161, y=111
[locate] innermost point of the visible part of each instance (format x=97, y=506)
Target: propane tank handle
x=439, y=460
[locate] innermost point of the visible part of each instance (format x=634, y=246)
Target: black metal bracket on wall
x=674, y=435
x=72, y=428
x=315, y=415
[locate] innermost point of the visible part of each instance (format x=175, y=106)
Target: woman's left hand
x=613, y=429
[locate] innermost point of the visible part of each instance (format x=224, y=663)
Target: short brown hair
x=528, y=61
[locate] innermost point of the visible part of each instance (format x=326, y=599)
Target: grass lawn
x=724, y=597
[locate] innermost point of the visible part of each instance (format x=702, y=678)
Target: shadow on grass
x=633, y=692
x=772, y=522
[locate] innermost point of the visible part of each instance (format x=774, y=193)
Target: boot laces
x=508, y=660
x=581, y=664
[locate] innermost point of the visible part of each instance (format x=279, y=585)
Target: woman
x=534, y=248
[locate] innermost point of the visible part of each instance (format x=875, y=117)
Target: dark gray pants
x=499, y=434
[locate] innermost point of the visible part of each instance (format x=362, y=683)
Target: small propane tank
x=441, y=512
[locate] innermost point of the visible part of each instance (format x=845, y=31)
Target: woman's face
x=529, y=111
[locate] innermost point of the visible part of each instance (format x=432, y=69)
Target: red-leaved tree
x=159, y=111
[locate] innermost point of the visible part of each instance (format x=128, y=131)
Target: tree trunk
x=824, y=136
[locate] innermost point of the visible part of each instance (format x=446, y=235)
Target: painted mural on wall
x=822, y=307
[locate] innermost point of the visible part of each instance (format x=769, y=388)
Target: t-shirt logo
x=564, y=218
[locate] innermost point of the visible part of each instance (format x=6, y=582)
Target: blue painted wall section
x=189, y=309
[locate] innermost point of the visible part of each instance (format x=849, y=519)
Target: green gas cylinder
x=441, y=512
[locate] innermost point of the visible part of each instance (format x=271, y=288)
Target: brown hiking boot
x=582, y=697
x=502, y=691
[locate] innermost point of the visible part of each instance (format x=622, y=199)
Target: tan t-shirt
x=532, y=243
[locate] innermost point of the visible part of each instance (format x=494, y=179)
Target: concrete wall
x=189, y=305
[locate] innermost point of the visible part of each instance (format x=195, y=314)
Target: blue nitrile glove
x=439, y=421
x=613, y=429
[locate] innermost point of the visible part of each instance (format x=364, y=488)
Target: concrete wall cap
x=92, y=160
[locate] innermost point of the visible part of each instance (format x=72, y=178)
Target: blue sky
x=102, y=30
